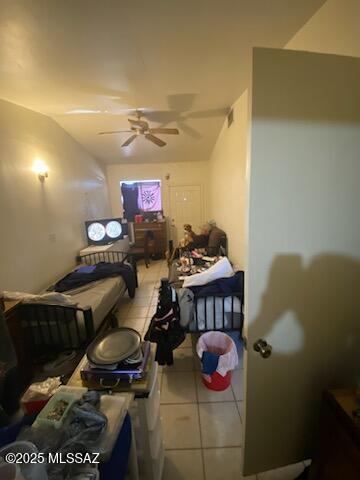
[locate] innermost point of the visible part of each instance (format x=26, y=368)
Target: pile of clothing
x=165, y=329
x=80, y=434
x=221, y=280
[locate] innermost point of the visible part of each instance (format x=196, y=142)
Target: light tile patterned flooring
x=202, y=429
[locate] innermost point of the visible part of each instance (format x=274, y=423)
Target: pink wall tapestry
x=149, y=197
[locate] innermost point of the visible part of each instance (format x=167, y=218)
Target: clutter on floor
x=210, y=293
x=118, y=374
x=75, y=423
x=73, y=420
x=165, y=329
x=133, y=367
x=144, y=400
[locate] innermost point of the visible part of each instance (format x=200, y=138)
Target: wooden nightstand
x=338, y=453
x=158, y=229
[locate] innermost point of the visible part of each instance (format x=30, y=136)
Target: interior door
x=186, y=206
x=303, y=288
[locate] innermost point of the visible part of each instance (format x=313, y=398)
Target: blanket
x=221, y=269
x=229, y=285
x=50, y=298
x=81, y=276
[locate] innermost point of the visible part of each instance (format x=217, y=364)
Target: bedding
x=221, y=269
x=214, y=306
x=88, y=274
x=199, y=315
x=204, y=318
x=101, y=296
x=53, y=298
x=69, y=320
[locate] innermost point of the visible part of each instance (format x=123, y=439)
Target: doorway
x=186, y=206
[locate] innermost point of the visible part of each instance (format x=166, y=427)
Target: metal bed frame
x=56, y=328
x=228, y=318
x=110, y=257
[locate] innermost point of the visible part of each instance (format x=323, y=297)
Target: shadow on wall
x=310, y=316
x=324, y=100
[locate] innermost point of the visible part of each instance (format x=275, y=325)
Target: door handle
x=261, y=346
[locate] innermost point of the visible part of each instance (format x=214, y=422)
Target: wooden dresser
x=159, y=244
x=338, y=452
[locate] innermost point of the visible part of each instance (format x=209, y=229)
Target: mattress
x=100, y=296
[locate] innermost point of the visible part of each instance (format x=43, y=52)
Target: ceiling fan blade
x=139, y=123
x=189, y=130
x=215, y=112
x=162, y=116
x=114, y=131
x=129, y=140
x=167, y=131
x=156, y=140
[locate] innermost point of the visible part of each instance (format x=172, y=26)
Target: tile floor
x=202, y=429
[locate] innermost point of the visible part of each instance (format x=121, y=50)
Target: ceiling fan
x=141, y=127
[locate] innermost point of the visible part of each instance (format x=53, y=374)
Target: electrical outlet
x=52, y=238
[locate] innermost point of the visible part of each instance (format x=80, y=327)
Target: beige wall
x=304, y=235
x=189, y=173
x=42, y=223
x=227, y=169
x=302, y=290
x=333, y=29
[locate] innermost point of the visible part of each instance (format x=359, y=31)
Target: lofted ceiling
x=87, y=63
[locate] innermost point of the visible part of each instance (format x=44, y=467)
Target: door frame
x=183, y=185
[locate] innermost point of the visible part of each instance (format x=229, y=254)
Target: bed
x=202, y=309
x=56, y=328
x=217, y=312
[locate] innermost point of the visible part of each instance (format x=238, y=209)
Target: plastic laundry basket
x=222, y=346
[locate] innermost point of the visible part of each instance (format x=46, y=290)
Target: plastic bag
x=41, y=390
x=222, y=345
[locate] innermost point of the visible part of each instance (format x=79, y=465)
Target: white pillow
x=221, y=269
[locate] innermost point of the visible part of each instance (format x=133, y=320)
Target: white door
x=186, y=206
x=303, y=271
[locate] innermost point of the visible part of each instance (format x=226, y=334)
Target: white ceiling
x=185, y=61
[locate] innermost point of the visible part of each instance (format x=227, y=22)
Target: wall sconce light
x=41, y=169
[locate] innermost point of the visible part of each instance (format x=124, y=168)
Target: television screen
x=104, y=231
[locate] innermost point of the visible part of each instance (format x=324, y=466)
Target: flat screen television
x=105, y=230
